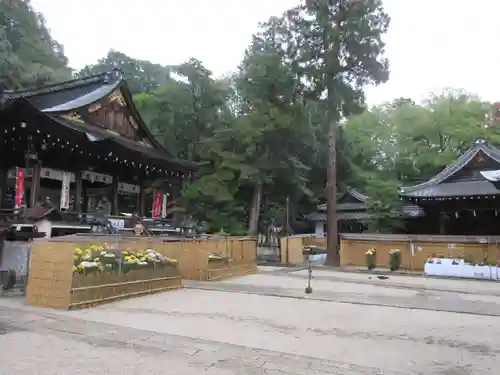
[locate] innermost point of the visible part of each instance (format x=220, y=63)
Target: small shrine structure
x=353, y=213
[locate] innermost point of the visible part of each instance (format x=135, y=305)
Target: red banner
x=19, y=187
x=157, y=203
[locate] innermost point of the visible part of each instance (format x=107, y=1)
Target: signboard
x=157, y=203
x=128, y=188
x=19, y=187
x=97, y=177
x=66, y=181
x=117, y=223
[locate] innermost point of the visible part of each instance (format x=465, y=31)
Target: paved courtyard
x=265, y=324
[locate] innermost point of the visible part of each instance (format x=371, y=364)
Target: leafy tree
x=190, y=116
x=141, y=75
x=184, y=113
x=29, y=55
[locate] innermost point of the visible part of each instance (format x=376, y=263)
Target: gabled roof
x=71, y=96
x=79, y=93
x=360, y=201
x=438, y=186
x=358, y=210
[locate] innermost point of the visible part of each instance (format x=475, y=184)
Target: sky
x=431, y=44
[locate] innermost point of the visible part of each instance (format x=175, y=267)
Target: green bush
x=394, y=259
x=371, y=258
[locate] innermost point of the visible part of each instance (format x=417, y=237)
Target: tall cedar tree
x=341, y=51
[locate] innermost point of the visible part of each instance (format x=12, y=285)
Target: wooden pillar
x=78, y=193
x=85, y=199
x=3, y=184
x=114, y=202
x=141, y=200
x=176, y=194
x=442, y=223
x=35, y=185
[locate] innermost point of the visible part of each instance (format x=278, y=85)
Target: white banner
x=164, y=207
x=66, y=180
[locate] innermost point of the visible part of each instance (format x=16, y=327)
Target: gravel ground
x=264, y=324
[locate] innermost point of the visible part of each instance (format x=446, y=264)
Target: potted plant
x=394, y=259
x=371, y=258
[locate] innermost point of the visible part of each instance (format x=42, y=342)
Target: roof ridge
x=65, y=85
x=358, y=195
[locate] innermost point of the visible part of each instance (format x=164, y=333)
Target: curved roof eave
x=456, y=166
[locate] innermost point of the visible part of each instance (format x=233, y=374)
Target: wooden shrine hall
x=464, y=198
x=82, y=141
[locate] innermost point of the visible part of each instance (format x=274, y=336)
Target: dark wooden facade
x=91, y=128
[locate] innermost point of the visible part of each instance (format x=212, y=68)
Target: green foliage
x=141, y=75
x=394, y=259
x=28, y=54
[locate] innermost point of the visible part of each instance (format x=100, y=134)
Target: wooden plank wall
x=478, y=249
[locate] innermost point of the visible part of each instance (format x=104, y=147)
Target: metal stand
x=309, y=271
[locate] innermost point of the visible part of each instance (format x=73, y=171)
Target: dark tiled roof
x=69, y=95
x=458, y=188
x=321, y=216
x=436, y=187
x=345, y=206
x=409, y=210
x=350, y=206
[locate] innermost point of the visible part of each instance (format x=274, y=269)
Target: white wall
x=319, y=228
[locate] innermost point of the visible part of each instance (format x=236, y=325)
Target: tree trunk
x=253, y=224
x=331, y=184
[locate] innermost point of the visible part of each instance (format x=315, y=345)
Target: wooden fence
x=415, y=249
x=52, y=282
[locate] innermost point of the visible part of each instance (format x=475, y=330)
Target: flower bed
x=102, y=275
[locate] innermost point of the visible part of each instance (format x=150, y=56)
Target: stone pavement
x=263, y=324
